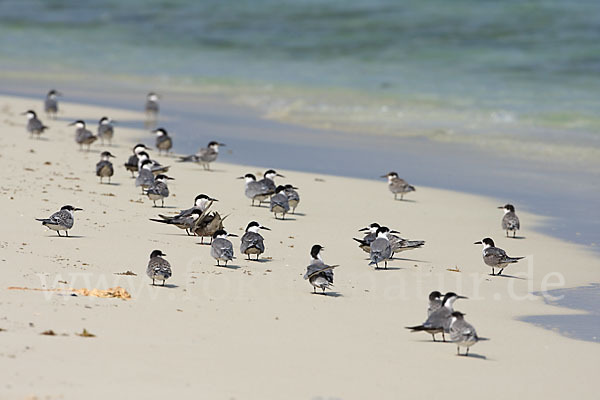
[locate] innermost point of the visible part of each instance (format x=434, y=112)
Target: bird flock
x=380, y=242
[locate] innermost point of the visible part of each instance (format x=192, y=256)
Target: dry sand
x=254, y=330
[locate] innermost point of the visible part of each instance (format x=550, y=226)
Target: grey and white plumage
x=435, y=302
x=104, y=168
x=83, y=136
x=381, y=247
x=155, y=166
x=164, y=142
x=158, y=268
x=205, y=155
x=293, y=196
x=132, y=164
x=221, y=249
x=51, y=103
x=439, y=320
x=34, y=125
x=461, y=332
x=398, y=243
x=510, y=221
x=61, y=220
x=279, y=202
x=252, y=242
x=495, y=257
x=398, y=185
x=319, y=274
x=159, y=190
x=106, y=130
x=145, y=177
x=260, y=190
x=185, y=219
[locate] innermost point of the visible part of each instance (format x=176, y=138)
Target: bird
x=159, y=189
x=106, y=130
x=495, y=257
x=221, y=249
x=398, y=243
x=510, y=221
x=158, y=268
x=398, y=185
x=439, y=320
x=319, y=274
x=163, y=140
x=268, y=179
x=279, y=202
x=34, y=125
x=61, y=220
x=104, y=168
x=205, y=155
x=208, y=224
x=381, y=248
x=182, y=220
x=132, y=162
x=435, y=302
x=151, y=108
x=185, y=221
x=83, y=135
x=461, y=332
x=253, y=190
x=252, y=242
x=293, y=196
x=145, y=176
x=155, y=166
x=51, y=103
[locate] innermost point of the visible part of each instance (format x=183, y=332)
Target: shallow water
x=579, y=326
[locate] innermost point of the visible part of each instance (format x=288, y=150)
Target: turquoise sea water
x=509, y=69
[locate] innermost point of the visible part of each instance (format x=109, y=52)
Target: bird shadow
x=406, y=200
x=285, y=219
x=260, y=260
x=298, y=214
x=409, y=259
x=66, y=237
x=517, y=237
x=41, y=139
x=166, y=285
x=228, y=266
x=164, y=207
x=387, y=269
x=328, y=294
x=110, y=183
x=509, y=276
x=473, y=355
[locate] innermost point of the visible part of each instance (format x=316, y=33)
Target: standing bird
x=439, y=320
x=293, y=196
x=133, y=161
x=279, y=202
x=182, y=220
x=461, y=332
x=83, y=135
x=268, y=180
x=159, y=189
x=34, y=125
x=398, y=185
x=253, y=190
x=151, y=108
x=252, y=242
x=435, y=302
x=163, y=140
x=398, y=243
x=221, y=249
x=365, y=242
x=510, y=221
x=104, y=168
x=155, y=166
x=205, y=155
x=106, y=130
x=381, y=248
x=208, y=224
x=319, y=274
x=158, y=268
x=145, y=177
x=61, y=220
x=495, y=257
x=51, y=104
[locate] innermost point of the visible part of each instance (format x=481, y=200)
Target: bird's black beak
x=241, y=177
x=501, y=207
x=395, y=232
x=461, y=297
x=265, y=228
x=169, y=178
x=477, y=243
x=78, y=209
x=232, y=234
x=211, y=199
x=162, y=254
x=279, y=175
x=363, y=229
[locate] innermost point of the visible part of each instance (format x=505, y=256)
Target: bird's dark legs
x=162, y=203
x=433, y=336
x=152, y=281
x=500, y=273
x=385, y=264
x=58, y=233
x=493, y=271
x=218, y=265
x=457, y=351
x=514, y=233
x=314, y=289
x=467, y=352
x=258, y=255
x=67, y=233
x=323, y=289
x=248, y=256
x=187, y=231
x=443, y=336
x=163, y=282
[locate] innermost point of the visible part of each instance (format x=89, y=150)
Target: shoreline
x=219, y=331
x=542, y=188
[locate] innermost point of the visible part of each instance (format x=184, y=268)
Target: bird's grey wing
x=252, y=240
x=281, y=201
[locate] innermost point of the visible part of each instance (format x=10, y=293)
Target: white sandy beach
x=255, y=330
